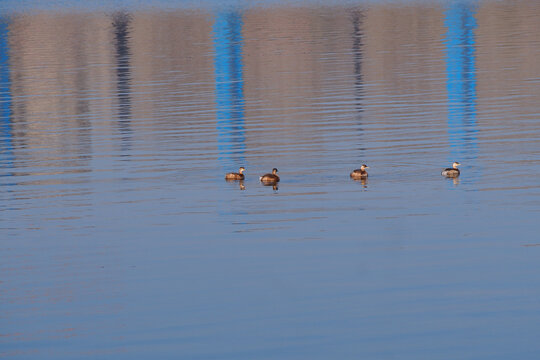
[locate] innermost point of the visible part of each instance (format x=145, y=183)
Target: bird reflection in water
x=239, y=182
x=362, y=181
x=455, y=181
x=273, y=184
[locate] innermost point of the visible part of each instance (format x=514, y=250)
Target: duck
x=236, y=176
x=451, y=172
x=270, y=178
x=360, y=173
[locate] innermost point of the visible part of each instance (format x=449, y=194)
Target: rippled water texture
x=120, y=238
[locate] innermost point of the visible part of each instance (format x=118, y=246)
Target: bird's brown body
x=270, y=178
x=360, y=173
x=236, y=176
x=451, y=172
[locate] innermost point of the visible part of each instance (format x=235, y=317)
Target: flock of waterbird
x=357, y=174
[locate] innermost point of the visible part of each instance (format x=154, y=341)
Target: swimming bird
x=360, y=173
x=270, y=178
x=451, y=172
x=236, y=176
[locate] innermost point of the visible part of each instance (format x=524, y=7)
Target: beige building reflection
x=301, y=66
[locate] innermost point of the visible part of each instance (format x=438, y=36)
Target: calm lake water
x=120, y=238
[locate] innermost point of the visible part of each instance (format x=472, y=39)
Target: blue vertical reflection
x=461, y=80
x=228, y=40
x=5, y=97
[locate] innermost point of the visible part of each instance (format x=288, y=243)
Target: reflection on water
x=158, y=257
x=5, y=97
x=227, y=32
x=461, y=80
x=120, y=24
x=273, y=184
x=362, y=181
x=356, y=18
x=237, y=183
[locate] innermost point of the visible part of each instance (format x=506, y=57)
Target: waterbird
x=451, y=172
x=360, y=173
x=236, y=176
x=270, y=179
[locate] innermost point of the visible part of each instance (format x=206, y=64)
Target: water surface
x=120, y=238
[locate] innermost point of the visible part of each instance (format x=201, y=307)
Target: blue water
x=120, y=238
